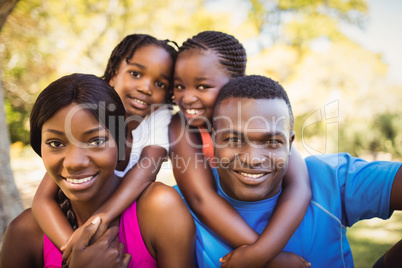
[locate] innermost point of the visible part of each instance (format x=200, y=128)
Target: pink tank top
x=129, y=235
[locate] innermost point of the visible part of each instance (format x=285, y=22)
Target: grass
x=369, y=239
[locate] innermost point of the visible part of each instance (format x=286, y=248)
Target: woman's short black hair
x=96, y=96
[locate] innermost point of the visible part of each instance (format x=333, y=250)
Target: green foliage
x=383, y=133
x=298, y=22
x=17, y=120
x=24, y=63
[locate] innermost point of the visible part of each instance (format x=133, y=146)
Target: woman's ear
x=111, y=82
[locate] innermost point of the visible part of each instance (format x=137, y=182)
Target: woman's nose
x=76, y=157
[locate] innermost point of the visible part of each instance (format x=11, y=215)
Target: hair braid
x=230, y=51
x=65, y=206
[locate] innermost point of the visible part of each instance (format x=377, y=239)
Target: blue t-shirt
x=344, y=190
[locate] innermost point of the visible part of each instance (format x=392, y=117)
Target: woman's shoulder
x=24, y=226
x=23, y=242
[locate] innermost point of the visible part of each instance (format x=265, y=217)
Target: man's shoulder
x=330, y=160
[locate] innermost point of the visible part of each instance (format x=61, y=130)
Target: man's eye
x=55, y=144
x=97, y=142
x=234, y=140
x=274, y=142
x=135, y=74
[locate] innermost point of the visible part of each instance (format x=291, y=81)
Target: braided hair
x=230, y=51
x=126, y=49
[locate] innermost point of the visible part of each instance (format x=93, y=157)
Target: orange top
x=207, y=146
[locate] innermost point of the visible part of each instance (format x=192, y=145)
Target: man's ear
x=291, y=139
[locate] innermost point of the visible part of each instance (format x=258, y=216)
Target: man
x=253, y=134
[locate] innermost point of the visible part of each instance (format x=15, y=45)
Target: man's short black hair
x=254, y=87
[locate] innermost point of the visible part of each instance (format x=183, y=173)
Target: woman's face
x=198, y=78
x=143, y=83
x=79, y=154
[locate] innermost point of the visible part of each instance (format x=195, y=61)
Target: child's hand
x=288, y=259
x=107, y=251
x=244, y=256
x=101, y=229
x=247, y=256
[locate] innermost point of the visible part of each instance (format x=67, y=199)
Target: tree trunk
x=6, y=6
x=10, y=200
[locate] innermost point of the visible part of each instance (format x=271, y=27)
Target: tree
x=10, y=200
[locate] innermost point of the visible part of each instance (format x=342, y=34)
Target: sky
x=383, y=34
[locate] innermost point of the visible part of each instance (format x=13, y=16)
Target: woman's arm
x=195, y=180
x=48, y=214
x=167, y=226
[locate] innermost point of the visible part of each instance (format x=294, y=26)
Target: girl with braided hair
x=205, y=63
x=140, y=69
x=76, y=129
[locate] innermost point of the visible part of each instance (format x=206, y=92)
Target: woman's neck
x=83, y=210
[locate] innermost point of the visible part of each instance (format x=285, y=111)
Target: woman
x=78, y=128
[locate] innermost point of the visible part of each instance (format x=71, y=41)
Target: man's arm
x=396, y=192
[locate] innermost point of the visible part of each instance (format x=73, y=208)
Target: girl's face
x=79, y=154
x=144, y=81
x=198, y=78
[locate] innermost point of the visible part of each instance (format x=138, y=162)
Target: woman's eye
x=55, y=144
x=161, y=85
x=97, y=142
x=135, y=74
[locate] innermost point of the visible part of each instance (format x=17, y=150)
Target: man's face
x=252, y=144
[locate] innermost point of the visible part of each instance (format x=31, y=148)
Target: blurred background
x=339, y=60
